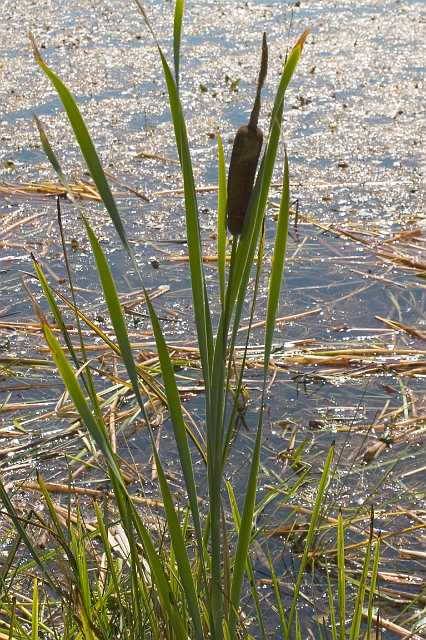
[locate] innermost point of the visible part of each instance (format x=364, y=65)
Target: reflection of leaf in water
x=9, y=164
x=234, y=85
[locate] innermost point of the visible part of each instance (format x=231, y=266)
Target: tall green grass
x=191, y=586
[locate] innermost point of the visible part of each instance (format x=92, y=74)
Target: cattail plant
x=190, y=588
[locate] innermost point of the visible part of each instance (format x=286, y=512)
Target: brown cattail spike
x=254, y=118
x=245, y=156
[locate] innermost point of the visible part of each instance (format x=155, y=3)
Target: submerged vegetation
x=113, y=570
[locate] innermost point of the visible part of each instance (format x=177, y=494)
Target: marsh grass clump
x=122, y=580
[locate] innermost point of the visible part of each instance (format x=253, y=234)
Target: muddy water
x=354, y=125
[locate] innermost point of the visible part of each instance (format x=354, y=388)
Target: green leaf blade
x=86, y=145
x=278, y=260
x=177, y=36
x=221, y=219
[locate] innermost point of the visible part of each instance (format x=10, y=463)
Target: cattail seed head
x=242, y=171
x=244, y=157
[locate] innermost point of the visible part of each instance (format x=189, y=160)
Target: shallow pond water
x=354, y=125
